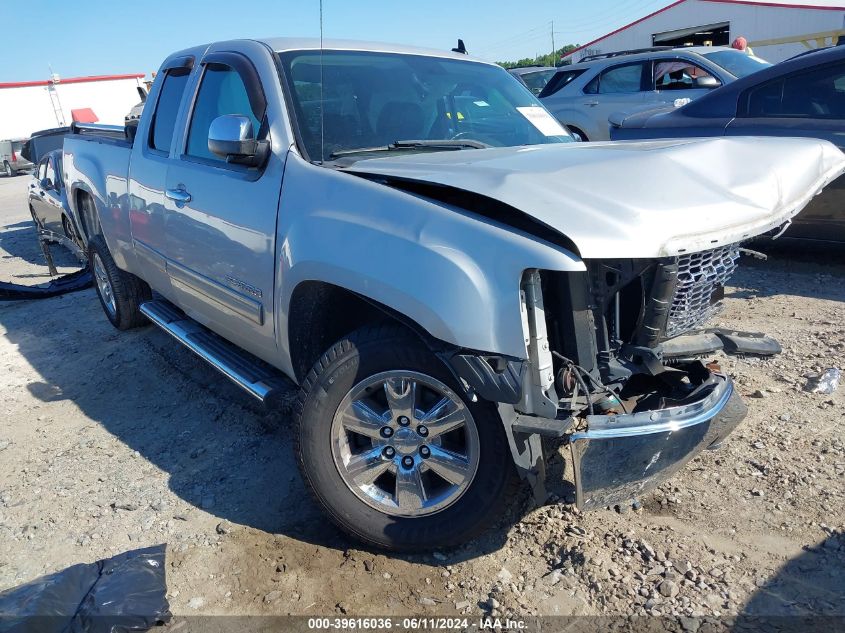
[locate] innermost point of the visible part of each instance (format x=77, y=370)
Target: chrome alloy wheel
x=405, y=444
x=104, y=285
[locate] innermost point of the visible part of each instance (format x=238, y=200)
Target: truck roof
x=281, y=44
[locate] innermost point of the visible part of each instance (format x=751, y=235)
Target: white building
x=775, y=29
x=29, y=106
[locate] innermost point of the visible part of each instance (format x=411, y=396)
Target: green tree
x=542, y=60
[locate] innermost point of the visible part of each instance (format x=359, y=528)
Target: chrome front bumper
x=620, y=457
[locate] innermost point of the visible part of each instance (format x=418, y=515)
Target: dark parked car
x=803, y=96
x=535, y=78
x=48, y=198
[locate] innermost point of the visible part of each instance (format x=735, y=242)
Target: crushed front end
x=598, y=377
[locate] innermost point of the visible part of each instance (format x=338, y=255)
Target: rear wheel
x=393, y=451
x=121, y=294
x=7, y=168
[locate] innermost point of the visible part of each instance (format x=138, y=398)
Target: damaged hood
x=637, y=199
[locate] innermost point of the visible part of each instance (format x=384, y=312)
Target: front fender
x=455, y=274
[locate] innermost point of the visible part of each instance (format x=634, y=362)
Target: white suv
x=582, y=96
x=11, y=161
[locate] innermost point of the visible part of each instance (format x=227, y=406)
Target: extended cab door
x=148, y=172
x=220, y=217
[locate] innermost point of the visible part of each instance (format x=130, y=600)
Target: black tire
x=576, y=131
x=128, y=291
x=7, y=168
x=69, y=231
x=365, y=353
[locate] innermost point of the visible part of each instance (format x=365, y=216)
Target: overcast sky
x=99, y=37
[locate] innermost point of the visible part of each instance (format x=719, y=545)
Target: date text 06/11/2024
x=413, y=624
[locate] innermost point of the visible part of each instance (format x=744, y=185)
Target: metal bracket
x=527, y=453
x=538, y=397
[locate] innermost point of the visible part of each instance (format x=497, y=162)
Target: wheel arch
x=322, y=313
x=89, y=223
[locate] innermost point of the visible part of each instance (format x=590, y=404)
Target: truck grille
x=700, y=275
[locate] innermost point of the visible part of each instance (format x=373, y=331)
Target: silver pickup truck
x=454, y=284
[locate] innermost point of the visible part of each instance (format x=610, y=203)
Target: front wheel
x=393, y=451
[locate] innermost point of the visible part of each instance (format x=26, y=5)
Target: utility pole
x=554, y=61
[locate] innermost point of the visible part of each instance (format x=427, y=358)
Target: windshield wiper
x=445, y=143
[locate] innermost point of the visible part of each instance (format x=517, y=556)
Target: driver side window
x=222, y=91
x=677, y=74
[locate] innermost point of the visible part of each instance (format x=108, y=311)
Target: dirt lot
x=112, y=441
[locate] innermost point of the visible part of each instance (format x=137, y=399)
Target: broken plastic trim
x=72, y=282
x=715, y=339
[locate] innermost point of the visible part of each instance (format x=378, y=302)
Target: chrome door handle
x=591, y=103
x=179, y=196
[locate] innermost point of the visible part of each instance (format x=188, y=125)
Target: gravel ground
x=112, y=441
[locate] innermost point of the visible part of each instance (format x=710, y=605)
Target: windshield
x=737, y=63
x=374, y=100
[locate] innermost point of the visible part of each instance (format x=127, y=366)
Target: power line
x=514, y=38
x=627, y=11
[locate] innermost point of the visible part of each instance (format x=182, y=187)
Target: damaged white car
x=411, y=237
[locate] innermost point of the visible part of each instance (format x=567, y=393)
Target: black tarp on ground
x=123, y=593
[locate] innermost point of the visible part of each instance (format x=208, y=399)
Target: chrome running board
x=254, y=376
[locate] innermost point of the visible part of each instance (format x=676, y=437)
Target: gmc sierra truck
x=453, y=283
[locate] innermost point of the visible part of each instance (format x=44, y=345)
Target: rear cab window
x=163, y=122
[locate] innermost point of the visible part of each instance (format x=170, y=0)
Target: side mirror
x=46, y=184
x=707, y=82
x=231, y=137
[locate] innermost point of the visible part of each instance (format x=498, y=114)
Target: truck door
x=220, y=217
x=148, y=173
